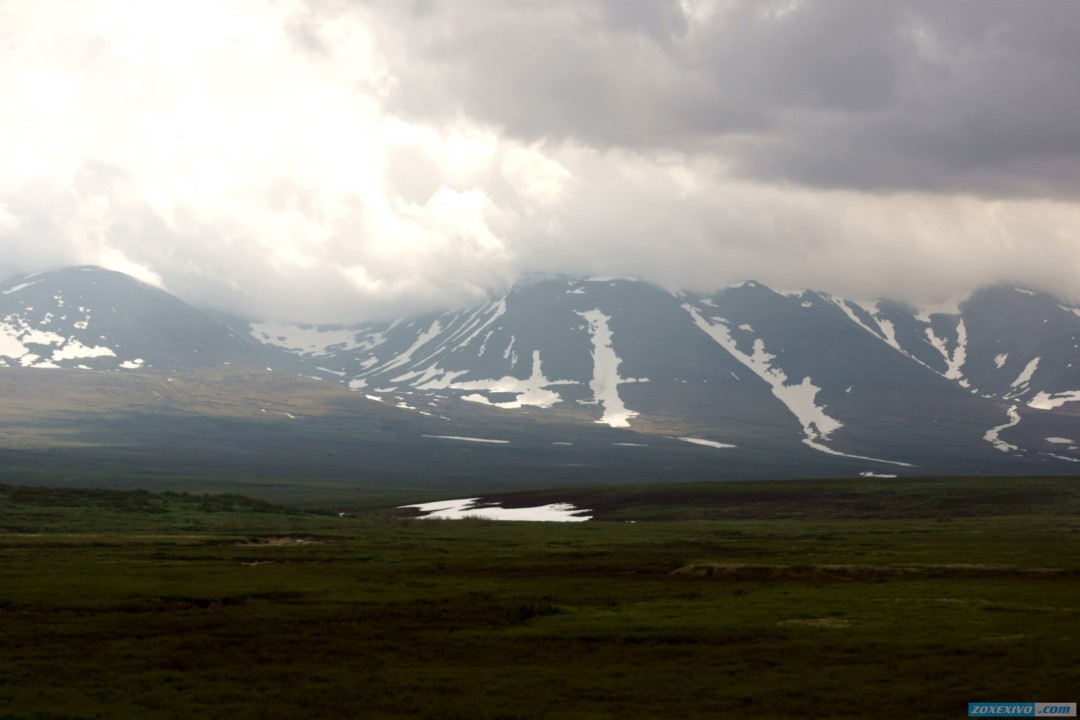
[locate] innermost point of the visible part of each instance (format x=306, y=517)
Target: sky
x=344, y=160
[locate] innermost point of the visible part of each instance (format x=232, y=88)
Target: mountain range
x=561, y=379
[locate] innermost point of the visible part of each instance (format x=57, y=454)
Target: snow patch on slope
x=533, y=390
x=954, y=361
x=798, y=398
x=1024, y=378
x=992, y=435
x=885, y=329
x=421, y=340
x=311, y=341
x=606, y=380
x=73, y=349
x=1049, y=401
x=494, y=310
x=16, y=335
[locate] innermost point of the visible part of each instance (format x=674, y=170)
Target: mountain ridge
x=748, y=373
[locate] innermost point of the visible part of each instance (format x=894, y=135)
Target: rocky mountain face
x=895, y=386
x=747, y=380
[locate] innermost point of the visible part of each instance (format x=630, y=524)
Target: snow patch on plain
x=999, y=360
x=468, y=439
x=468, y=507
x=707, y=443
x=1059, y=441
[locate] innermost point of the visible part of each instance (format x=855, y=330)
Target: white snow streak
x=799, y=399
x=605, y=382
x=954, y=361
x=468, y=439
x=999, y=360
x=1025, y=375
x=423, y=339
x=707, y=443
x=19, y=287
x=499, y=309
x=992, y=435
x=843, y=305
x=885, y=331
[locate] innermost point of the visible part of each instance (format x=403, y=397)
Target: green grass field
x=830, y=599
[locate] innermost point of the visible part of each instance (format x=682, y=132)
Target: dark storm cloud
x=976, y=96
x=335, y=160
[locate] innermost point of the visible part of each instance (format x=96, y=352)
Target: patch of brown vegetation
x=825, y=622
x=284, y=540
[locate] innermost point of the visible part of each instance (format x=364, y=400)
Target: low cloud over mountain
x=332, y=161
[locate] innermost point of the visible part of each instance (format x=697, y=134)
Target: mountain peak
x=91, y=318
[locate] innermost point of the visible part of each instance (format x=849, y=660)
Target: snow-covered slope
x=893, y=386
x=750, y=376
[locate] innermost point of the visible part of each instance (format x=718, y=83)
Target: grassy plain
x=770, y=605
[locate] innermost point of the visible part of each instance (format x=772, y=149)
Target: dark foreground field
x=132, y=605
